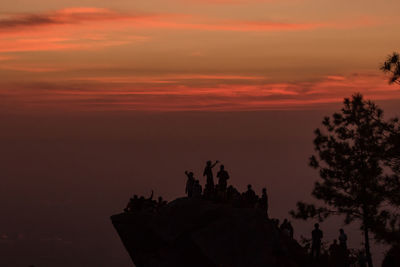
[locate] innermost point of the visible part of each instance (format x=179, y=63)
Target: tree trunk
x=367, y=247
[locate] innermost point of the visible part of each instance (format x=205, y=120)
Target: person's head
x=341, y=231
x=197, y=182
x=222, y=167
x=209, y=163
x=264, y=190
x=335, y=241
x=135, y=197
x=316, y=226
x=285, y=220
x=160, y=199
x=190, y=174
x=249, y=186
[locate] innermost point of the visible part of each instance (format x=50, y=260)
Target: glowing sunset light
x=192, y=53
x=102, y=100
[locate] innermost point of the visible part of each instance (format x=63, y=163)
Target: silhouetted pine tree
x=392, y=66
x=352, y=156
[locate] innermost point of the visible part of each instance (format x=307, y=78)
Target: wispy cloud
x=87, y=28
x=83, y=16
x=114, y=93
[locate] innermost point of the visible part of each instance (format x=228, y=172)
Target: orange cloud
x=80, y=28
x=112, y=93
x=79, y=17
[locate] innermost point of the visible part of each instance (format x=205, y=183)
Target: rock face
x=200, y=233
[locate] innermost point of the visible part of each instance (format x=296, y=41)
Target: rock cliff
x=201, y=233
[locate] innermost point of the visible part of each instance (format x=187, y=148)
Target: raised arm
x=212, y=166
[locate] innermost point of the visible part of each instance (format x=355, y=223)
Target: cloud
x=59, y=44
x=63, y=16
x=83, y=28
x=180, y=93
x=26, y=21
x=83, y=16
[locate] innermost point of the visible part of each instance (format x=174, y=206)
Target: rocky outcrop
x=201, y=233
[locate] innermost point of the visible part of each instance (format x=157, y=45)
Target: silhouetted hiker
x=197, y=189
x=316, y=242
x=284, y=228
x=264, y=201
x=232, y=193
x=189, y=184
x=132, y=204
x=250, y=196
x=290, y=229
x=275, y=222
x=343, y=239
x=362, y=259
x=333, y=248
x=209, y=189
x=334, y=254
x=161, y=203
x=148, y=203
x=223, y=176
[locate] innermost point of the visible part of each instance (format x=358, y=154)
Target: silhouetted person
x=132, y=204
x=209, y=190
x=316, y=242
x=197, y=189
x=223, y=177
x=334, y=254
x=344, y=255
x=275, y=222
x=362, y=259
x=284, y=228
x=232, y=193
x=189, y=184
x=343, y=240
x=290, y=229
x=264, y=201
x=250, y=196
x=161, y=203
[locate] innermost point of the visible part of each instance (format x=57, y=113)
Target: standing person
x=209, y=188
x=189, y=184
x=334, y=254
x=291, y=230
x=264, y=201
x=342, y=239
x=343, y=247
x=197, y=189
x=285, y=228
x=317, y=235
x=362, y=259
x=250, y=196
x=223, y=176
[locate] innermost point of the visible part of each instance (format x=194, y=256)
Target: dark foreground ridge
x=200, y=232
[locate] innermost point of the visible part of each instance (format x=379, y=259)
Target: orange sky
x=193, y=55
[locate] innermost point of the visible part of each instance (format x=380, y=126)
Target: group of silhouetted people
x=141, y=203
x=338, y=252
x=221, y=191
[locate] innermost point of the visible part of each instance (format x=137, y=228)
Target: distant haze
x=63, y=176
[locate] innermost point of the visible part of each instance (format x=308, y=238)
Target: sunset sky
x=193, y=54
x=87, y=90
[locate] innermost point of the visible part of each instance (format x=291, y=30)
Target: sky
x=100, y=100
x=180, y=55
